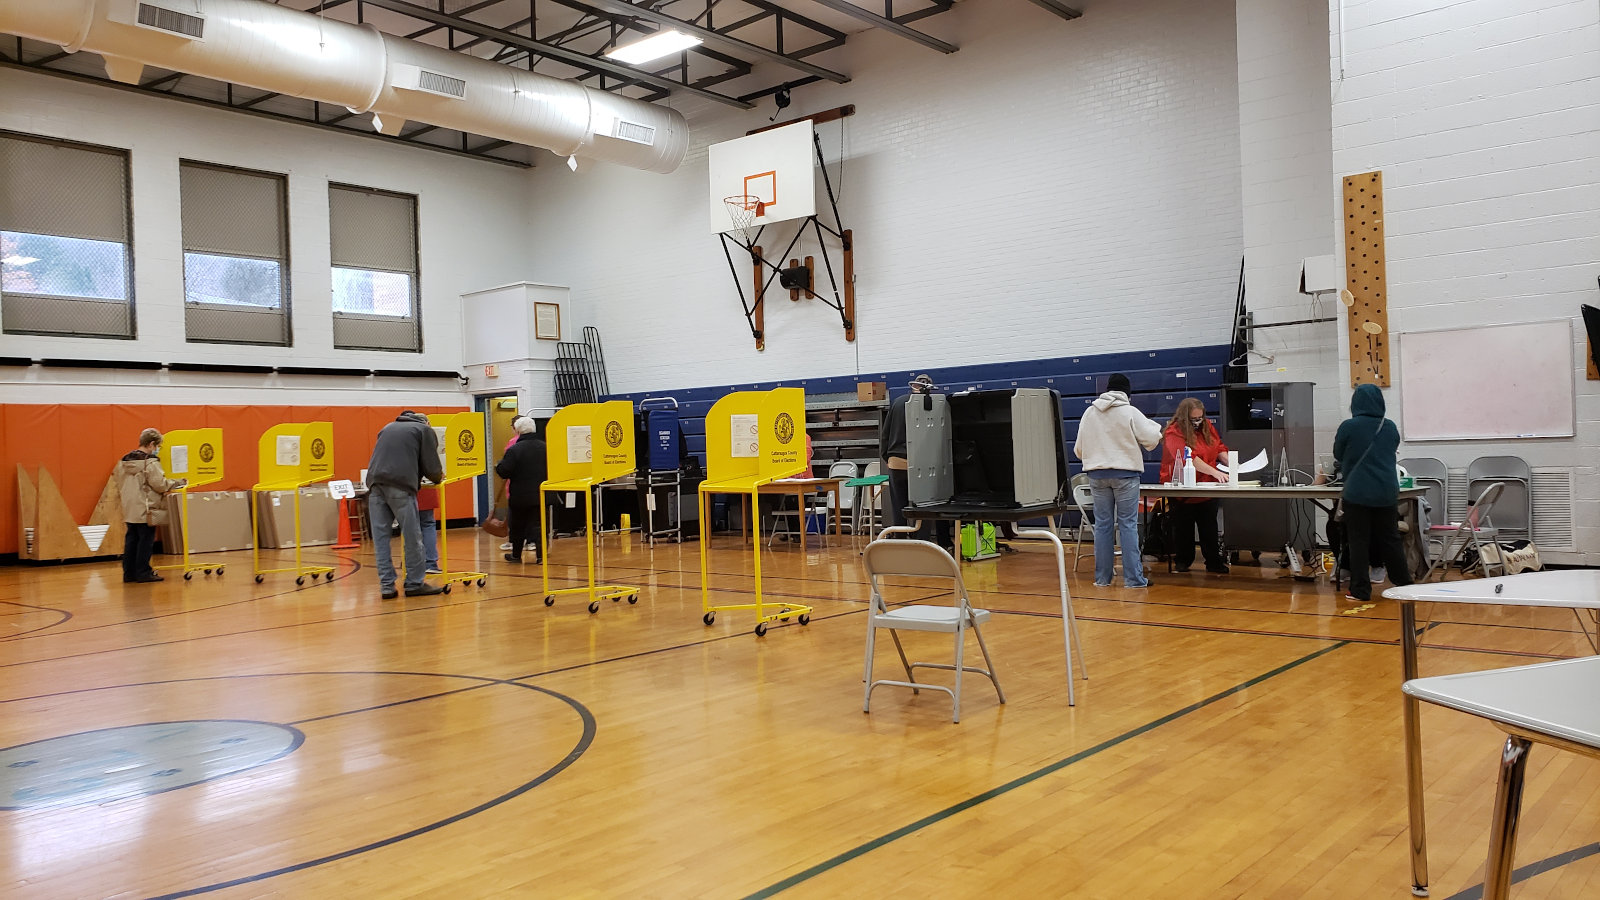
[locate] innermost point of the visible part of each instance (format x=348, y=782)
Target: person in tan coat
x=144, y=486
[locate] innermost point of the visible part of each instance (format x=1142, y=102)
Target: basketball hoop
x=743, y=209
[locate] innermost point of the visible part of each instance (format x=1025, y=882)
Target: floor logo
x=784, y=428
x=614, y=434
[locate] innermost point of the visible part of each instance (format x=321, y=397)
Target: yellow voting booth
x=194, y=454
x=586, y=444
x=291, y=457
x=752, y=438
x=461, y=450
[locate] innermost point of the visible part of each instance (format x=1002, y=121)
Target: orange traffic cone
x=345, y=541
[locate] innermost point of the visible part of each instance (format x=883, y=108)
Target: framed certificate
x=547, y=321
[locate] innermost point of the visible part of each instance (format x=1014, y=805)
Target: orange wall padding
x=80, y=444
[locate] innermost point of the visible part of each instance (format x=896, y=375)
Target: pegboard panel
x=1365, y=277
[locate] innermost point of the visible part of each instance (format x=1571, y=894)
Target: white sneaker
x=506, y=546
x=1378, y=574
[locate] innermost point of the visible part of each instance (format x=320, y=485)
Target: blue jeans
x=1116, y=506
x=386, y=505
x=430, y=537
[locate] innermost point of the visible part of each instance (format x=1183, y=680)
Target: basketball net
x=743, y=209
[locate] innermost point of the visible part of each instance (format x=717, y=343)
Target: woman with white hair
x=144, y=487
x=524, y=468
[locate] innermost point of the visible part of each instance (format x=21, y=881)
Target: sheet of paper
x=180, y=459
x=1257, y=462
x=580, y=444
x=288, y=449
x=746, y=430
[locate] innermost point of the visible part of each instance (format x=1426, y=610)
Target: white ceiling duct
x=269, y=47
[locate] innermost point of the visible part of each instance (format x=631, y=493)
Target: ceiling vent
x=635, y=132
x=416, y=78
x=160, y=18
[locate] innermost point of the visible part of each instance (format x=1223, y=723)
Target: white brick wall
x=1485, y=119
x=1286, y=159
x=472, y=235
x=1053, y=187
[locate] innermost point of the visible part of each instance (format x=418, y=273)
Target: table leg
x=838, y=523
x=1410, y=707
x=1507, y=810
x=800, y=513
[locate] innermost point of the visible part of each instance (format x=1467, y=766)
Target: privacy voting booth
x=753, y=438
x=291, y=457
x=461, y=452
x=194, y=454
x=586, y=444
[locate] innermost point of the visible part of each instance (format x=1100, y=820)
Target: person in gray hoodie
x=1365, y=446
x=407, y=451
x=1112, y=438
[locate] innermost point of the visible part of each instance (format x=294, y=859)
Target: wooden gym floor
x=1238, y=737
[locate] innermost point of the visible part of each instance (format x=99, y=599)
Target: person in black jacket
x=407, y=451
x=524, y=467
x=1365, y=446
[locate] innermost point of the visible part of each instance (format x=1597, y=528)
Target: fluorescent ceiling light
x=662, y=43
x=19, y=260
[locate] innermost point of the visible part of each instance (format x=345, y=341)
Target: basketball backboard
x=777, y=167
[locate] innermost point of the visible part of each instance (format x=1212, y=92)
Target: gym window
x=235, y=255
x=65, y=254
x=375, y=284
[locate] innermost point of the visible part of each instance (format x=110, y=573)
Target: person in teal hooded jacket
x=1366, y=446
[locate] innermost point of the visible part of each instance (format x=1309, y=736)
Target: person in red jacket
x=1189, y=428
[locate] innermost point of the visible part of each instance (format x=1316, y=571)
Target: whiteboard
x=1495, y=382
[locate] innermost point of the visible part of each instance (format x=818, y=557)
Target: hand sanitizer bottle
x=1188, y=467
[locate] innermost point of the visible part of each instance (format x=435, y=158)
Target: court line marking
x=1021, y=781
x=1528, y=871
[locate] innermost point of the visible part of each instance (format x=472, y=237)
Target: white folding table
x=1574, y=589
x=1554, y=703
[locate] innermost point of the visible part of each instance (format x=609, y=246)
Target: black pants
x=524, y=526
x=1186, y=517
x=900, y=498
x=136, y=547
x=1373, y=531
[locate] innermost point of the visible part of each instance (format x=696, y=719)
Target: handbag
x=157, y=517
x=495, y=524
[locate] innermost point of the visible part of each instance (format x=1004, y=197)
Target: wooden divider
x=1366, y=279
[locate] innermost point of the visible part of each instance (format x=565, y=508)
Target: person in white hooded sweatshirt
x=1112, y=438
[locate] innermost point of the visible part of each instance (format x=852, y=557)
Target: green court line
x=1035, y=775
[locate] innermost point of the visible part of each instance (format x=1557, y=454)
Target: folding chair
x=1475, y=531
x=1083, y=498
x=868, y=510
x=923, y=559
x=847, y=495
x=1516, y=504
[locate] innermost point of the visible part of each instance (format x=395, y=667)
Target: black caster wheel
x=260, y=578
x=327, y=576
x=549, y=601
x=708, y=618
x=188, y=575
x=208, y=571
x=761, y=629
x=616, y=598
x=805, y=619
x=594, y=607
x=219, y=571
x=632, y=599
x=447, y=589
x=482, y=582
x=299, y=580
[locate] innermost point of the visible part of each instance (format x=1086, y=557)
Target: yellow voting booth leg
x=187, y=567
x=780, y=612
x=595, y=592
x=448, y=576
x=299, y=569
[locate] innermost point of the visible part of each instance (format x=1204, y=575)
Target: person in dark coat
x=407, y=451
x=1365, y=446
x=524, y=467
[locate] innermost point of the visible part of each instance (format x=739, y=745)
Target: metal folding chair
x=922, y=559
x=1515, y=508
x=1474, y=531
